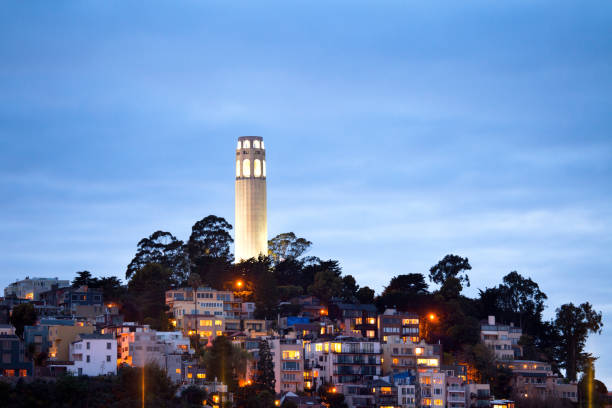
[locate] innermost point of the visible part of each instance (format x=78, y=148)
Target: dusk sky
x=395, y=134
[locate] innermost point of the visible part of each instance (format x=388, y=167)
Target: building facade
x=31, y=288
x=93, y=355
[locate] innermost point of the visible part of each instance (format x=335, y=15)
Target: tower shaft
x=251, y=206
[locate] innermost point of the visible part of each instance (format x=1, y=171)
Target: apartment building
x=343, y=361
x=385, y=394
x=455, y=392
x=356, y=320
x=478, y=395
x=61, y=334
x=176, y=341
x=394, y=323
x=83, y=299
x=536, y=379
x=207, y=302
x=407, y=388
x=14, y=362
x=31, y=288
x=288, y=358
x=93, y=355
x=432, y=384
x=501, y=339
x=400, y=354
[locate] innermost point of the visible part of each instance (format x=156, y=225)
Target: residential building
x=7, y=329
x=536, y=379
x=14, y=362
x=432, y=384
x=346, y=362
x=356, y=320
x=208, y=302
x=31, y=288
x=93, y=355
x=401, y=354
x=402, y=324
x=407, y=387
x=288, y=358
x=177, y=342
x=455, y=392
x=62, y=334
x=478, y=395
x=385, y=394
x=501, y=339
x=75, y=300
x=38, y=336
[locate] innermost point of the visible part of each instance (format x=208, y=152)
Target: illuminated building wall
x=251, y=220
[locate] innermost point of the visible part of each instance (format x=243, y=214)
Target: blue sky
x=395, y=134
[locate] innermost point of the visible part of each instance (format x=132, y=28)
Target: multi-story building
x=208, y=302
x=288, y=357
x=346, y=362
x=14, y=362
x=478, y=395
x=501, y=339
x=81, y=300
x=356, y=320
x=61, y=333
x=406, y=383
x=176, y=341
x=401, y=355
x=7, y=329
x=455, y=392
x=385, y=394
x=535, y=379
x=394, y=323
x=31, y=288
x=432, y=388
x=93, y=355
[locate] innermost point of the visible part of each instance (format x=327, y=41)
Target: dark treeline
x=163, y=262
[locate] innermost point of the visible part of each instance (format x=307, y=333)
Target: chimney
x=492, y=320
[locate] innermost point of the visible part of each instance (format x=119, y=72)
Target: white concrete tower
x=251, y=213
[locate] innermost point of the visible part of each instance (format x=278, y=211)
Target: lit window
x=395, y=361
x=318, y=347
x=430, y=362
x=371, y=334
x=178, y=370
x=257, y=168
x=371, y=320
x=238, y=167
x=205, y=322
x=189, y=375
x=219, y=333
x=246, y=168
x=438, y=402
x=418, y=351
x=359, y=320
x=291, y=355
x=238, y=145
x=337, y=347
x=326, y=347
x=256, y=144
x=246, y=144
x=264, y=168
x=262, y=145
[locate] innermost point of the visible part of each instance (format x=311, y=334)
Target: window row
x=259, y=168
x=246, y=144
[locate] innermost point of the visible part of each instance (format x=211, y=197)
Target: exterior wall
x=251, y=222
x=478, y=395
x=400, y=355
x=138, y=349
x=32, y=288
x=94, y=356
x=501, y=339
x=176, y=342
x=404, y=325
x=209, y=302
x=13, y=362
x=60, y=337
x=455, y=392
x=288, y=357
x=536, y=379
x=433, y=389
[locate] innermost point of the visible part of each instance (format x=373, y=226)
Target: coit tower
x=251, y=214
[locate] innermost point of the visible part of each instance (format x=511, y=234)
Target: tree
x=521, y=297
x=221, y=363
x=266, y=296
x=193, y=396
x=349, y=289
x=161, y=248
x=23, y=315
x=147, y=288
x=409, y=284
x=209, y=251
x=450, y=266
x=265, y=368
x=84, y=278
x=575, y=323
x=112, y=290
x=287, y=246
x=365, y=295
x=327, y=284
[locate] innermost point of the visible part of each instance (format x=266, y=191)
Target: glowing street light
x=239, y=284
x=432, y=317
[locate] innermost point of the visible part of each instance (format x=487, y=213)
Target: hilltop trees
x=451, y=273
x=574, y=324
x=287, y=246
x=23, y=315
x=161, y=248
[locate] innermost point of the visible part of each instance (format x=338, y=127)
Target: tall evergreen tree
x=265, y=368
